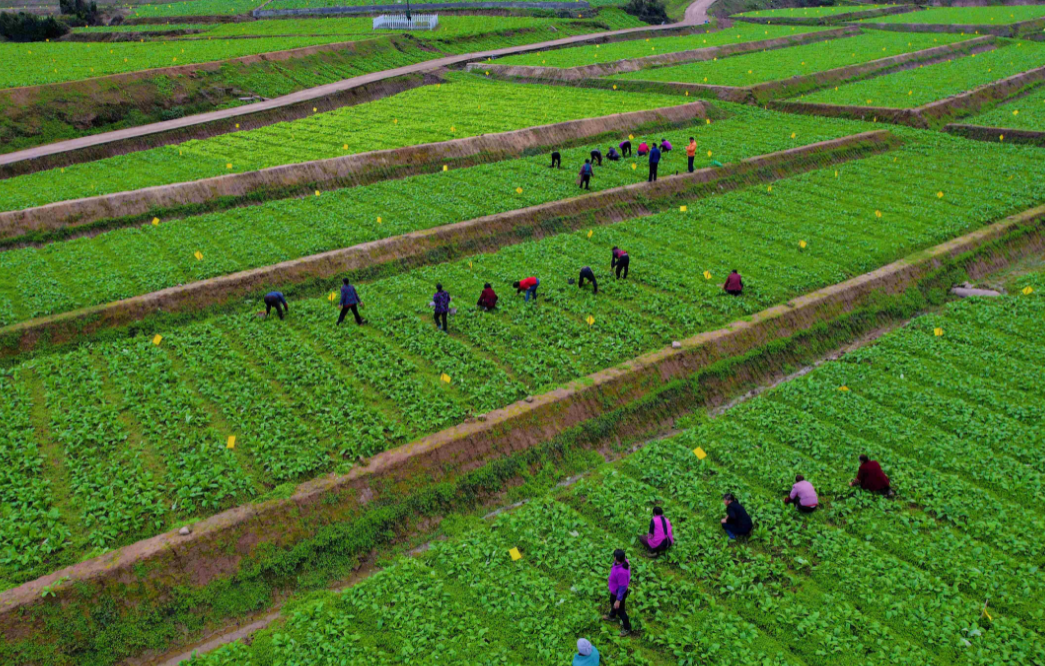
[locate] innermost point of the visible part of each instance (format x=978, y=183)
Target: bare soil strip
x=996, y=134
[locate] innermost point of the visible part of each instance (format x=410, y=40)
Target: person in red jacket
x=734, y=285
x=487, y=299
x=529, y=285
x=871, y=477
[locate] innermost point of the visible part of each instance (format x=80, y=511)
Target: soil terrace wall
x=481, y=234
x=216, y=546
x=1009, y=30
x=927, y=115
x=367, y=92
x=635, y=64
x=826, y=20
x=580, y=5
x=996, y=134
x=332, y=172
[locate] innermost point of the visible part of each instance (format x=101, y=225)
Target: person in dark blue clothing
x=274, y=299
x=441, y=303
x=349, y=301
x=556, y=160
x=737, y=522
x=585, y=175
x=596, y=156
x=654, y=162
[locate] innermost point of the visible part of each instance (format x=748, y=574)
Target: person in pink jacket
x=803, y=495
x=660, y=537
x=620, y=578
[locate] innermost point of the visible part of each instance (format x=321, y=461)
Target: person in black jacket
x=556, y=160
x=737, y=522
x=588, y=274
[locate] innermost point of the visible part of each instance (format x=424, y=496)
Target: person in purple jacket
x=803, y=495
x=441, y=303
x=660, y=537
x=620, y=577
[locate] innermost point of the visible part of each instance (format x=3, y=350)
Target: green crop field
x=812, y=12
x=466, y=107
x=946, y=572
x=196, y=8
x=303, y=397
x=914, y=87
x=35, y=64
x=754, y=68
x=1026, y=113
x=589, y=55
x=132, y=261
x=967, y=15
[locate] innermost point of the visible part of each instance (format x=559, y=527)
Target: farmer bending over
x=596, y=156
x=665, y=146
x=734, y=285
x=588, y=274
x=556, y=160
x=803, y=495
x=871, y=477
x=625, y=148
x=349, y=301
x=620, y=260
x=487, y=299
x=660, y=537
x=737, y=522
x=643, y=149
x=274, y=299
x=529, y=286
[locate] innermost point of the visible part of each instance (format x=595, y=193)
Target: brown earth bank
x=304, y=177
x=1009, y=30
x=224, y=546
x=635, y=64
x=485, y=234
x=996, y=134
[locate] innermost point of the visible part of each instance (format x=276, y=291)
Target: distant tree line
x=24, y=27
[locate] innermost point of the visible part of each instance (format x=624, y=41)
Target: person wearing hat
x=587, y=654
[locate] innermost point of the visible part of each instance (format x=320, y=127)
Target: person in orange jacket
x=691, y=152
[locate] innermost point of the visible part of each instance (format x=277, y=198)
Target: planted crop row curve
x=303, y=397
x=840, y=586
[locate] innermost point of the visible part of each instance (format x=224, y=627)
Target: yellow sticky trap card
x=231, y=443
x=802, y=244
x=590, y=320
x=198, y=255
x=444, y=378
x=878, y=213
x=682, y=209
x=707, y=275
x=938, y=332
x=590, y=232
x=700, y=453
x=939, y=195
x=634, y=166
x=1027, y=291
x=843, y=389
x=518, y=190
x=229, y=165
x=155, y=221
x=317, y=193
x=379, y=219
x=157, y=339
x=446, y=167
x=631, y=137
x=515, y=554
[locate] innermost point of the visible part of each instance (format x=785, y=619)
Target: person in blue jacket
x=349, y=301
x=275, y=299
x=654, y=162
x=585, y=175
x=587, y=654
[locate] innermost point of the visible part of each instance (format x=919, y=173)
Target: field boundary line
x=217, y=545
x=331, y=172
x=992, y=134
x=1006, y=30
x=486, y=233
x=420, y=7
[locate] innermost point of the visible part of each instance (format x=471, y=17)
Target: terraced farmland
x=129, y=262
x=289, y=415
x=998, y=15
x=753, y=68
x=1027, y=113
x=462, y=108
x=915, y=87
x=588, y=55
x=954, y=419
x=812, y=12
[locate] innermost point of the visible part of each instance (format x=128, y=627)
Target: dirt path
x=695, y=14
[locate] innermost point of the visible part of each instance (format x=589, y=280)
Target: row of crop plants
x=866, y=579
x=930, y=83
x=997, y=15
x=598, y=53
x=303, y=397
x=467, y=106
x=773, y=65
x=126, y=262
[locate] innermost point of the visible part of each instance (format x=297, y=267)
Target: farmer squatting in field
x=737, y=522
x=487, y=299
x=871, y=477
x=803, y=495
x=660, y=536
